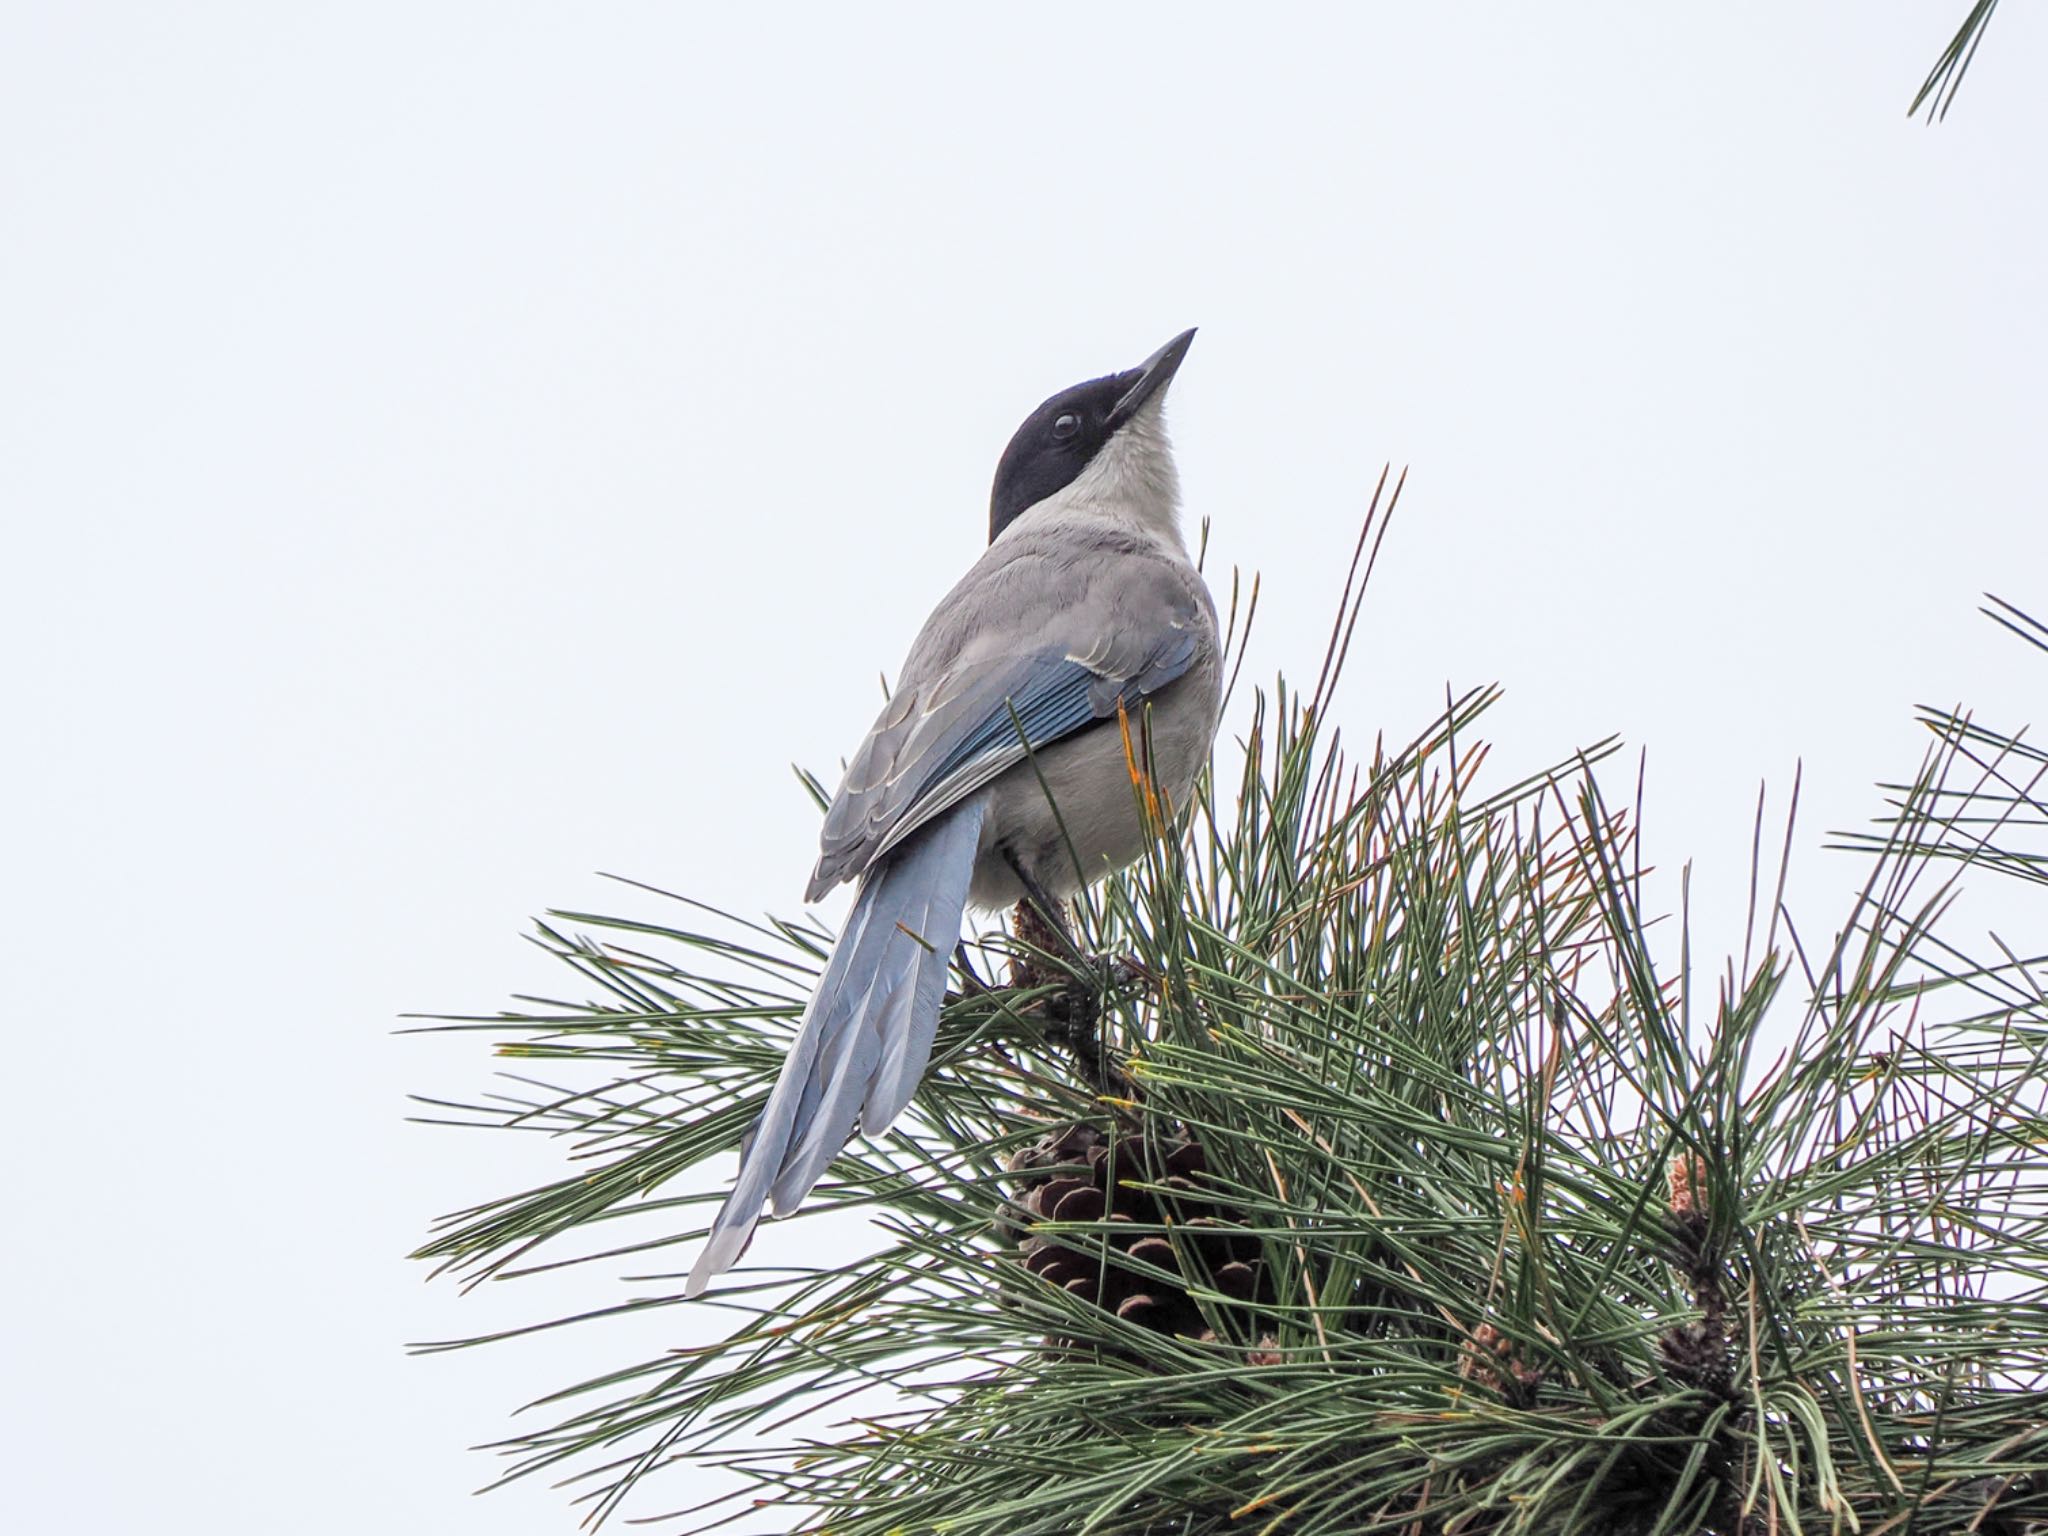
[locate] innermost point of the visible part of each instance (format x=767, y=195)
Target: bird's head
x=1101, y=441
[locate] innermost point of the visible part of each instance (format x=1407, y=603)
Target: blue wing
x=938, y=743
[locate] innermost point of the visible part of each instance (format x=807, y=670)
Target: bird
x=998, y=770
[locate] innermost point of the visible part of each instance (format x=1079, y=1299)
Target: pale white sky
x=447, y=450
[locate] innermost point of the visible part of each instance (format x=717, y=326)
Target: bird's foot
x=1071, y=1017
x=1072, y=1013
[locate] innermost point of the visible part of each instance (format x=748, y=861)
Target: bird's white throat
x=1132, y=478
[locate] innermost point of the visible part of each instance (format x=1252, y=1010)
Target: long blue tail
x=866, y=1036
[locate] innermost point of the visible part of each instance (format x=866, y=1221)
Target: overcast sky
x=449, y=450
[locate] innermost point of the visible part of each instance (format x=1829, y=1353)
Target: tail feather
x=829, y=1048
x=906, y=1051
x=866, y=1037
x=845, y=1072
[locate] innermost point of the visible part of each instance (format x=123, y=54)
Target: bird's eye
x=1067, y=425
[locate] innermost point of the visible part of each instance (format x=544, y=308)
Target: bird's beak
x=1150, y=377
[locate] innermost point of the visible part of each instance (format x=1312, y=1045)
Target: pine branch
x=1423, y=1199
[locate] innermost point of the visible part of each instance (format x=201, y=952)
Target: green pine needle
x=1938, y=91
x=1553, y=1239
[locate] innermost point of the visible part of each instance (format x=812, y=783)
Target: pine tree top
x=1490, y=1224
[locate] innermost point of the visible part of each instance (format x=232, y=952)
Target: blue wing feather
x=1049, y=706
x=952, y=729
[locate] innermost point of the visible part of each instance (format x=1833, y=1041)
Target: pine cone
x=1491, y=1359
x=1096, y=1179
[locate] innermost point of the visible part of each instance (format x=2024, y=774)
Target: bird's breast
x=1071, y=815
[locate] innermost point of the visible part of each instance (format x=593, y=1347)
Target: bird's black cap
x=1059, y=438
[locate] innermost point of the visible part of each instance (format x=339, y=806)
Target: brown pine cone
x=1087, y=1176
